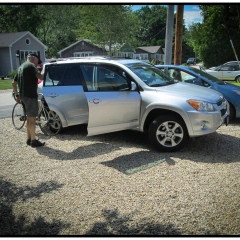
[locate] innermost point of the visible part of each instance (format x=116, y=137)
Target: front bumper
x=205, y=123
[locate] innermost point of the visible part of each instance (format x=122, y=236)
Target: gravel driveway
x=117, y=184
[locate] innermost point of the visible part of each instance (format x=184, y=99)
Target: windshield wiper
x=157, y=85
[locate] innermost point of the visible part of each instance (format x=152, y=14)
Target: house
x=82, y=48
x=121, y=50
x=14, y=48
x=150, y=53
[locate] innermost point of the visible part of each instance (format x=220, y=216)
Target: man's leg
x=31, y=128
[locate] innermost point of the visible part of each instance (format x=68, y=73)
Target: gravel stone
x=117, y=184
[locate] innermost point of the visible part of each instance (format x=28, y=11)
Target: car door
x=226, y=72
x=63, y=92
x=111, y=103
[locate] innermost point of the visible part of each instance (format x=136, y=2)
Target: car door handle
x=52, y=95
x=95, y=101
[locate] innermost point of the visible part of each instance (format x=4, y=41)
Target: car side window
x=63, y=75
x=71, y=76
x=224, y=68
x=54, y=74
x=107, y=79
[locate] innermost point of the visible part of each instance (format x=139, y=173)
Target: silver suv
x=114, y=95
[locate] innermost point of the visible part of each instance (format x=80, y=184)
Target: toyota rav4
x=113, y=95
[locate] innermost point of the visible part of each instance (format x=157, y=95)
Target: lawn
x=5, y=84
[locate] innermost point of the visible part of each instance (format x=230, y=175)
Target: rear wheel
x=168, y=133
x=49, y=122
x=18, y=116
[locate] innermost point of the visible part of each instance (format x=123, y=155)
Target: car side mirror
x=133, y=86
x=197, y=82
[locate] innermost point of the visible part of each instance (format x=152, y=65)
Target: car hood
x=190, y=91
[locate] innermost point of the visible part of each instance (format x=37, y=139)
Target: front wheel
x=237, y=79
x=18, y=116
x=49, y=122
x=168, y=133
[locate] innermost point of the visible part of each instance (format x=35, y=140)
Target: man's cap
x=35, y=55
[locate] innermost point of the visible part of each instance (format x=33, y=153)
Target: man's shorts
x=31, y=106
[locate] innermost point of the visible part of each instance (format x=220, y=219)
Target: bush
x=12, y=74
x=2, y=77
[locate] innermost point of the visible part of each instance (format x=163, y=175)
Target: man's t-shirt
x=27, y=80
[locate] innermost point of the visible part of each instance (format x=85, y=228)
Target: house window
x=82, y=54
x=23, y=55
x=28, y=42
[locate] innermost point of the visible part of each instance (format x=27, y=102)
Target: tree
x=152, y=25
x=211, y=38
x=19, y=18
x=110, y=25
x=58, y=28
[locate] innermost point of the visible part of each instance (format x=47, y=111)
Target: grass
x=5, y=84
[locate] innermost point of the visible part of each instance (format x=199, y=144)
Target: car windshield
x=150, y=75
x=208, y=76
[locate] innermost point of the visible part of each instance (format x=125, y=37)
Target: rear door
x=64, y=93
x=111, y=103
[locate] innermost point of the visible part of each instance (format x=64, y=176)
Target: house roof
x=85, y=40
x=8, y=39
x=150, y=49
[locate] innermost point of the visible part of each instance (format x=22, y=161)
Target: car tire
x=232, y=112
x=168, y=133
x=237, y=79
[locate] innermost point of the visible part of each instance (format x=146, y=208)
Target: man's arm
x=14, y=85
x=40, y=75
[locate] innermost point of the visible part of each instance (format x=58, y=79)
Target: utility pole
x=169, y=35
x=178, y=35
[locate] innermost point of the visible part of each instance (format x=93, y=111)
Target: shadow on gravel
x=82, y=152
x=12, y=225
x=117, y=225
x=213, y=148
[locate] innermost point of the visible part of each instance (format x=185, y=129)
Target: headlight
x=202, y=105
x=237, y=92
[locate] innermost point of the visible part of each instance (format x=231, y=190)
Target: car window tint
x=71, y=76
x=224, y=68
x=108, y=79
x=54, y=74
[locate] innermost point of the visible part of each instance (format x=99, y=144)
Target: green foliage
x=106, y=24
x=2, y=77
x=211, y=39
x=12, y=74
x=58, y=28
x=152, y=25
x=19, y=18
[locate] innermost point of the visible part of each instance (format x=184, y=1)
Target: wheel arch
x=59, y=113
x=158, y=112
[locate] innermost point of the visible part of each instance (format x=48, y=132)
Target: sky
x=191, y=13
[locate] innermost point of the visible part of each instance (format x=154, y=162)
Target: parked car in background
x=113, y=95
x=229, y=71
x=193, y=75
x=191, y=61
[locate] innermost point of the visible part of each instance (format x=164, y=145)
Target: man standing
x=27, y=81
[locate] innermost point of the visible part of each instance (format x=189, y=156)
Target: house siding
x=8, y=54
x=82, y=47
x=22, y=45
x=5, y=67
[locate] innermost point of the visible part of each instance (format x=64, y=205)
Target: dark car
x=195, y=76
x=191, y=61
